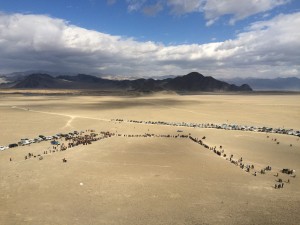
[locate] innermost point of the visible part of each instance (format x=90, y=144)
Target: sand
x=137, y=180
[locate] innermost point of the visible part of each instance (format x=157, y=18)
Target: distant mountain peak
x=194, y=75
x=192, y=82
x=39, y=75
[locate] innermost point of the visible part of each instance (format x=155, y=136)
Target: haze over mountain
x=191, y=82
x=276, y=84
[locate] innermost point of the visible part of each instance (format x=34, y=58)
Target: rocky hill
x=192, y=82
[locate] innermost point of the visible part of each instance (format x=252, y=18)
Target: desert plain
x=149, y=180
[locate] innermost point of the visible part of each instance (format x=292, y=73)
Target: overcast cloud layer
x=265, y=49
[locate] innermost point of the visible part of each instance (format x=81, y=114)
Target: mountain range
x=260, y=84
x=191, y=82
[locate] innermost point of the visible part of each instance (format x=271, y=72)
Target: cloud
x=152, y=10
x=180, y=7
x=135, y=5
x=39, y=42
x=146, y=8
x=237, y=9
x=212, y=9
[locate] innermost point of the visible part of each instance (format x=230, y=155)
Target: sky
x=146, y=38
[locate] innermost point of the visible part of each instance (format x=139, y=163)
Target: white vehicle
x=31, y=141
x=2, y=148
x=49, y=138
x=38, y=140
x=25, y=142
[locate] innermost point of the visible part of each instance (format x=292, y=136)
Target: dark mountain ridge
x=191, y=82
x=195, y=82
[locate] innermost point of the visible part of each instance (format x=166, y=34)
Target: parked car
x=2, y=148
x=42, y=136
x=24, y=142
x=31, y=141
x=55, y=143
x=38, y=140
x=13, y=145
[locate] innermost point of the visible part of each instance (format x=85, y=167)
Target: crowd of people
x=180, y=124
x=250, y=168
x=240, y=163
x=82, y=138
x=89, y=136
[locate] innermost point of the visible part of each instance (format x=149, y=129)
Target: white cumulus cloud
x=39, y=42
